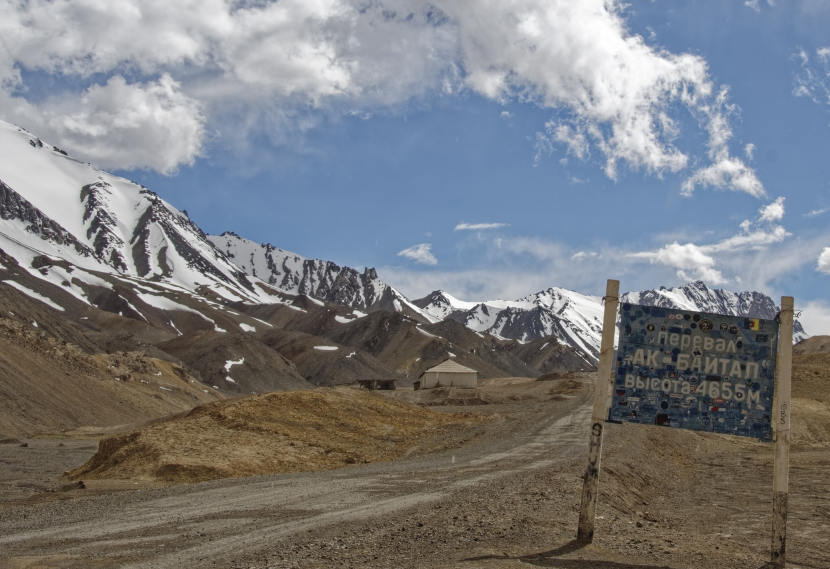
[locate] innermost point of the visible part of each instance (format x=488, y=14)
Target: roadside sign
x=695, y=370
x=700, y=371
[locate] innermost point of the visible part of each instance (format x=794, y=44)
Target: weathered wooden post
x=590, y=480
x=781, y=424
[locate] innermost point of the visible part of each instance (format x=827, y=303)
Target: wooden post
x=781, y=426
x=590, y=480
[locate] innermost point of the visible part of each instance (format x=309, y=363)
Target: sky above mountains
x=491, y=149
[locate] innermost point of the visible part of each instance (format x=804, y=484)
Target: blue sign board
x=695, y=370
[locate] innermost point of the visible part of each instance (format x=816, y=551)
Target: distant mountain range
x=93, y=234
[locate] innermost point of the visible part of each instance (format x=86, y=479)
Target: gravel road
x=214, y=523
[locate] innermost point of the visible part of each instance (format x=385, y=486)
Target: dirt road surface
x=508, y=498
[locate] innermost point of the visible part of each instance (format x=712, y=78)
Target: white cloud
x=773, y=211
x=420, y=254
x=824, y=261
x=815, y=212
x=755, y=4
x=725, y=171
x=815, y=317
x=583, y=255
x=698, y=261
x=478, y=226
x=749, y=150
x=541, y=146
x=506, y=115
x=750, y=240
x=118, y=125
x=813, y=80
x=688, y=257
x=270, y=66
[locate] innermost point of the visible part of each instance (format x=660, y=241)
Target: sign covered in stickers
x=695, y=370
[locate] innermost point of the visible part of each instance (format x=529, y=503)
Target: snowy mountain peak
x=576, y=319
x=54, y=205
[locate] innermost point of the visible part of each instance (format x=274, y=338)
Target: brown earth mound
x=47, y=384
x=295, y=431
x=811, y=399
x=813, y=345
x=811, y=376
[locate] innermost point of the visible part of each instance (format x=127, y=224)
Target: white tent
x=448, y=374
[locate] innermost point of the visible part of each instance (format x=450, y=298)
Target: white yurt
x=448, y=374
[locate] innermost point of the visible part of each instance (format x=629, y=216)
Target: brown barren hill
x=294, y=431
x=813, y=345
x=811, y=399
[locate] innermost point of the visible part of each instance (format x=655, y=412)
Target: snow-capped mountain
x=576, y=319
x=71, y=224
x=292, y=274
x=698, y=296
x=54, y=205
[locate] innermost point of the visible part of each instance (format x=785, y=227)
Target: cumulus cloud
x=688, y=257
x=478, y=226
x=824, y=261
x=270, y=65
x=773, y=211
x=420, y=254
x=118, y=125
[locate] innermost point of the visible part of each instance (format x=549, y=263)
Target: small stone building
x=448, y=374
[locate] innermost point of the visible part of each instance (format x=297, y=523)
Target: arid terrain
x=505, y=494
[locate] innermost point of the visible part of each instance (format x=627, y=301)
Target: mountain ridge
x=56, y=209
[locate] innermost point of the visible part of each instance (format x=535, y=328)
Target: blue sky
x=656, y=142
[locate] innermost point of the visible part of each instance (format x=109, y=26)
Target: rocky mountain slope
x=324, y=280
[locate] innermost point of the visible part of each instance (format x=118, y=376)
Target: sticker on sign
x=695, y=370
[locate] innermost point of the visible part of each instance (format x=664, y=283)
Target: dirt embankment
x=296, y=431
x=811, y=399
x=48, y=384
x=813, y=345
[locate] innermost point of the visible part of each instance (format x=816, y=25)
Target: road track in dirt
x=214, y=523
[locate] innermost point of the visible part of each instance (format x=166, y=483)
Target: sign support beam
x=590, y=480
x=781, y=424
